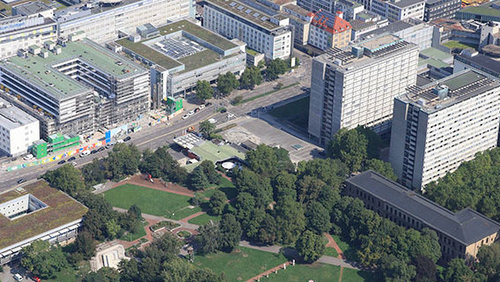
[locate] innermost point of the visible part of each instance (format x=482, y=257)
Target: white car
x=201, y=107
x=185, y=116
x=190, y=113
x=18, y=277
x=28, y=157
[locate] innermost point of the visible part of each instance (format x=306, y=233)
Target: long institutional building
x=181, y=53
x=263, y=30
x=460, y=234
x=104, y=24
x=77, y=86
x=351, y=88
x=36, y=212
x=438, y=126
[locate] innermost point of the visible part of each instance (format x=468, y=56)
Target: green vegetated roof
x=484, y=9
x=199, y=32
x=435, y=54
x=433, y=62
x=149, y=53
x=41, y=72
x=61, y=209
x=209, y=151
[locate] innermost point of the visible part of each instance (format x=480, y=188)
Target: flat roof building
x=36, y=212
x=438, y=126
x=474, y=60
x=18, y=129
x=460, y=234
x=80, y=86
x=486, y=12
x=184, y=53
x=436, y=9
x=397, y=10
x=263, y=29
x=351, y=88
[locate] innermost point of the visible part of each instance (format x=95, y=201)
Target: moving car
x=22, y=180
x=127, y=138
x=61, y=162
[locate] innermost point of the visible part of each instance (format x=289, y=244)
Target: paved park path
x=333, y=244
x=186, y=219
x=324, y=259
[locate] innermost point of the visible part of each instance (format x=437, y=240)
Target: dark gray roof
x=466, y=226
x=390, y=28
x=30, y=8
x=482, y=61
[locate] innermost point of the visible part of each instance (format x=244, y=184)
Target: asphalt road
x=160, y=135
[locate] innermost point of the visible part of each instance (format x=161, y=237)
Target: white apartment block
x=268, y=34
x=23, y=31
x=104, y=24
x=438, y=126
x=358, y=88
x=18, y=130
x=397, y=10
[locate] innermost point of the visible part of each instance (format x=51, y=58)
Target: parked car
x=208, y=104
x=93, y=151
x=101, y=149
x=84, y=153
x=185, y=116
x=127, y=138
x=201, y=107
x=196, y=110
x=22, y=180
x=71, y=159
x=190, y=113
x=18, y=277
x=28, y=157
x=61, y=162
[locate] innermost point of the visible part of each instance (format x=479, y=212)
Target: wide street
x=163, y=134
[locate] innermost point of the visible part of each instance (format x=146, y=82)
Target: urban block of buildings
x=180, y=54
x=103, y=22
x=18, y=129
x=438, y=126
x=460, y=234
x=351, y=88
x=329, y=31
x=263, y=29
x=397, y=10
x=77, y=86
x=36, y=212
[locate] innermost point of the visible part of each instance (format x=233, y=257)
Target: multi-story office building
x=366, y=22
x=358, y=88
x=18, y=129
x=36, y=212
x=473, y=60
x=460, y=234
x=397, y=10
x=182, y=54
x=77, y=87
x=301, y=19
x=438, y=126
x=411, y=30
x=23, y=31
x=261, y=28
x=435, y=9
x=104, y=23
x=349, y=7
x=329, y=31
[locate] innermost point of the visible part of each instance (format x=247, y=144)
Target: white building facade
x=397, y=10
x=438, y=126
x=18, y=130
x=272, y=37
x=105, y=26
x=358, y=88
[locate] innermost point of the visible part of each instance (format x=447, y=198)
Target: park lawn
x=150, y=201
x=133, y=236
x=329, y=251
x=242, y=264
x=305, y=272
x=204, y=219
x=353, y=275
x=70, y=274
x=225, y=186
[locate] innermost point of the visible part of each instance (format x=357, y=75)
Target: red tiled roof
x=329, y=22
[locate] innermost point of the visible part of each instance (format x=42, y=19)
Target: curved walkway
x=333, y=244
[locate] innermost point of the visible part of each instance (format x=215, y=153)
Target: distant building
x=438, y=126
x=460, y=234
x=349, y=7
x=263, y=30
x=397, y=10
x=301, y=19
x=366, y=22
x=476, y=61
x=487, y=12
x=329, y=31
x=21, y=31
x=33, y=8
x=76, y=86
x=36, y=212
x=183, y=53
x=351, y=88
x=411, y=30
x=18, y=129
x=436, y=9
x=104, y=23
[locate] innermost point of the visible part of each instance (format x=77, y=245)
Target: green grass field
x=204, y=219
x=225, y=186
x=455, y=44
x=329, y=251
x=151, y=201
x=304, y=272
x=241, y=264
x=134, y=236
x=296, y=112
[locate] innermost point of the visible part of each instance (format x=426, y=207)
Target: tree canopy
x=226, y=83
x=250, y=77
x=203, y=90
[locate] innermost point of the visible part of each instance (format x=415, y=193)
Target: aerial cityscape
x=249, y=140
